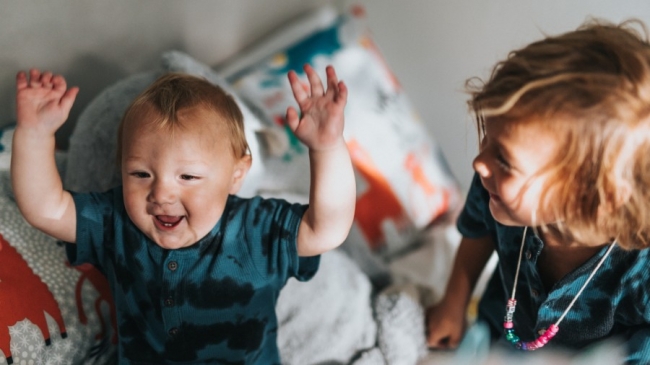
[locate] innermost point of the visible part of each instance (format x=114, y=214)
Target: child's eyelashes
x=140, y=174
x=503, y=163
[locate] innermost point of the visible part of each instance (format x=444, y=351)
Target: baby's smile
x=167, y=222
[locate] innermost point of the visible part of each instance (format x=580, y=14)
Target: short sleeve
x=94, y=216
x=272, y=225
x=474, y=219
x=305, y=267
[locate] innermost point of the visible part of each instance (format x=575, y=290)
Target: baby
x=195, y=271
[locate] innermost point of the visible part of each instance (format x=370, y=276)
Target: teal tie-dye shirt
x=210, y=303
x=615, y=304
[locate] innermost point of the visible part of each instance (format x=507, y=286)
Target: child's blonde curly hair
x=174, y=92
x=591, y=86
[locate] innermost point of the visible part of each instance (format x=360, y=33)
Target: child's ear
x=241, y=169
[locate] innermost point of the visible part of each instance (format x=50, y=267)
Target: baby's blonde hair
x=592, y=87
x=175, y=92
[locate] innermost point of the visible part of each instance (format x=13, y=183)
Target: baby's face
x=176, y=184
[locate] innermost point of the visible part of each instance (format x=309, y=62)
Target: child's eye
x=503, y=163
x=140, y=174
x=189, y=177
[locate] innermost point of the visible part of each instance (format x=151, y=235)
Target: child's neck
x=560, y=256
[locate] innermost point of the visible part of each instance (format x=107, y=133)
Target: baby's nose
x=162, y=193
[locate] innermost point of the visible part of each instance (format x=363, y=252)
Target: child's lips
x=167, y=222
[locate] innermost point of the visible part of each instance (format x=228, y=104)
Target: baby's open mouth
x=168, y=221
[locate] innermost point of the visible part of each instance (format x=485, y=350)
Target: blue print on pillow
x=6, y=134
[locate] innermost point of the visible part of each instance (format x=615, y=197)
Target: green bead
x=511, y=337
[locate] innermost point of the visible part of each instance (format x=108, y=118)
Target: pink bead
x=553, y=328
x=543, y=339
x=507, y=325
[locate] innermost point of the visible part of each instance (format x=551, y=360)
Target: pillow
x=49, y=312
x=93, y=142
x=335, y=324
x=403, y=182
x=308, y=23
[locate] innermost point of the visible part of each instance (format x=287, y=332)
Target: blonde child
x=561, y=192
x=195, y=270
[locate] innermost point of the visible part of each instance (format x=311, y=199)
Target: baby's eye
x=140, y=174
x=189, y=177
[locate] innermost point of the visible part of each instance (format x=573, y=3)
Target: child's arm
x=43, y=102
x=446, y=320
x=332, y=196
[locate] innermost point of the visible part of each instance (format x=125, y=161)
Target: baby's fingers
x=34, y=77
x=342, y=96
x=58, y=83
x=46, y=79
x=292, y=118
x=68, y=98
x=332, y=81
x=21, y=80
x=314, y=81
x=299, y=92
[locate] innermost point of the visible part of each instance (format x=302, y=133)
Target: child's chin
x=504, y=218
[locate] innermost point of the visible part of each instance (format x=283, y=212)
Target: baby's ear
x=241, y=169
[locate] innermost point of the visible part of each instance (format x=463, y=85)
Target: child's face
x=176, y=183
x=510, y=158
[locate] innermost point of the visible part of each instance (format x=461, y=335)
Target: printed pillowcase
x=50, y=312
x=403, y=183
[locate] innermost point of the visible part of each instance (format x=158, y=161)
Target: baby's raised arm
x=332, y=195
x=43, y=102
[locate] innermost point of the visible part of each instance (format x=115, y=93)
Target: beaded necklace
x=552, y=330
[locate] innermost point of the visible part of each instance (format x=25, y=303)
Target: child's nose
x=481, y=167
x=162, y=192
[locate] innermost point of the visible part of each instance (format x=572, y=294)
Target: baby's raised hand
x=320, y=125
x=43, y=100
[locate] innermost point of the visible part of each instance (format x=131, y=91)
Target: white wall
x=432, y=45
